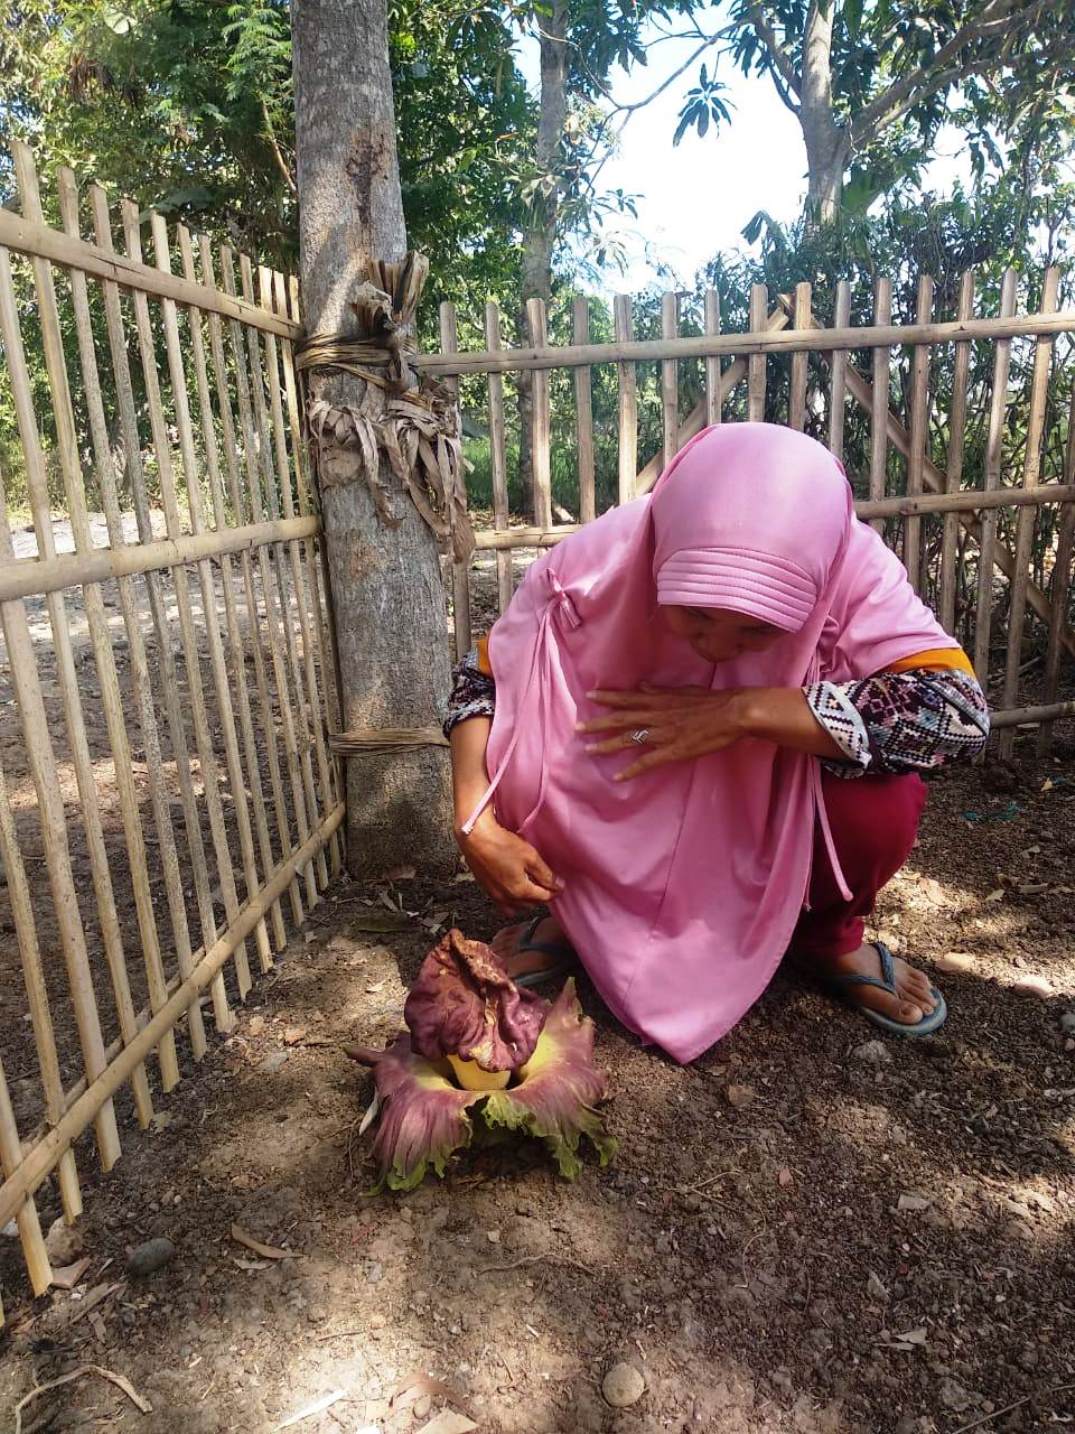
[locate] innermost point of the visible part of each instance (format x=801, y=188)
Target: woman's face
x=717, y=635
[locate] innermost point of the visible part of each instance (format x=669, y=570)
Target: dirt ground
x=857, y=1244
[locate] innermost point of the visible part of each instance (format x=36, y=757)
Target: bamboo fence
x=169, y=800
x=954, y=524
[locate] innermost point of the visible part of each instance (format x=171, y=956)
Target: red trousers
x=874, y=822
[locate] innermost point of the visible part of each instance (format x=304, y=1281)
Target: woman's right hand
x=508, y=868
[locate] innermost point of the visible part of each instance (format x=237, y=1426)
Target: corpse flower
x=481, y=1057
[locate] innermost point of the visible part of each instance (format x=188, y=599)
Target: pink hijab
x=683, y=886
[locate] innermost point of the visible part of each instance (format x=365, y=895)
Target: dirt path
x=865, y=1244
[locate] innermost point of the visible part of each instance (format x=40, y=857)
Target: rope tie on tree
x=410, y=417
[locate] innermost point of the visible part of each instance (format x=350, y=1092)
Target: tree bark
x=826, y=141
x=539, y=240
x=386, y=581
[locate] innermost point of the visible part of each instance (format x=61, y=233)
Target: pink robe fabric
x=683, y=886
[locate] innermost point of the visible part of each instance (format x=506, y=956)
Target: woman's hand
x=680, y=723
x=508, y=868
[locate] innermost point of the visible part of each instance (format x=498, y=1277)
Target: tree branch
x=281, y=162
x=777, y=53
x=999, y=18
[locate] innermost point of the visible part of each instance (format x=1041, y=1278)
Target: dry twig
x=83, y=1369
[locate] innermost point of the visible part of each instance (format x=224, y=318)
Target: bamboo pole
x=696, y=419
x=838, y=392
x=22, y=235
x=627, y=403
x=994, y=455
x=670, y=379
x=583, y=413
x=764, y=341
x=207, y=759
x=251, y=413
x=37, y=996
x=313, y=729
x=279, y=596
x=919, y=430
x=33, y=577
x=117, y=340
x=759, y=308
x=237, y=780
x=449, y=342
x=30, y=1237
x=1042, y=716
x=332, y=786
x=1024, y=533
x=862, y=393
x=1060, y=585
x=800, y=362
x=953, y=478
x=967, y=500
x=238, y=506
x=540, y=446
x=112, y=701
x=39, y=1162
x=97, y=624
x=882, y=307
x=498, y=455
x=712, y=363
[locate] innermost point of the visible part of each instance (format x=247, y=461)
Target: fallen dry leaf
x=255, y=1025
x=267, y=1252
x=784, y=1177
x=448, y=1422
x=419, y=1383
x=68, y=1276
x=740, y=1096
x=401, y=873
x=912, y=1202
x=293, y=1035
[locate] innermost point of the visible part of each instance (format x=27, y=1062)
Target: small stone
x=63, y=1243
x=294, y=1034
x=272, y=1062
x=909, y=1201
x=953, y=1396
x=422, y=1406
x=375, y=1274
x=151, y=1256
x=955, y=962
x=255, y=1025
x=739, y=1097
x=623, y=1385
x=875, y=1289
x=1034, y=986
x=1067, y=1023
x=874, y=1053
x=378, y=1321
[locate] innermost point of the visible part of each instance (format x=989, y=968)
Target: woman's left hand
x=679, y=723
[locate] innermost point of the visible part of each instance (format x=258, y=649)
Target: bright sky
x=695, y=199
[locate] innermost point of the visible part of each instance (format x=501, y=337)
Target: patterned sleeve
x=473, y=693
x=899, y=722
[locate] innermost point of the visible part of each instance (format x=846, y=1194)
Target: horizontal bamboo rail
x=39, y=241
x=45, y=1155
x=967, y=501
x=786, y=341
x=1033, y=716
x=27, y=577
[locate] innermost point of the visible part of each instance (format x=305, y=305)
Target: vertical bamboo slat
x=239, y=506
x=258, y=465
x=1060, y=586
x=627, y=404
x=203, y=743
x=33, y=1242
x=957, y=427
x=712, y=364
x=756, y=366
x=670, y=379
x=919, y=429
x=584, y=414
x=498, y=460
x=994, y=454
x=449, y=343
x=541, y=437
x=37, y=996
x=117, y=340
x=97, y=624
x=1024, y=531
x=882, y=314
x=309, y=585
x=800, y=361
x=837, y=395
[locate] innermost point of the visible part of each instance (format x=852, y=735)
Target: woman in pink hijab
x=657, y=739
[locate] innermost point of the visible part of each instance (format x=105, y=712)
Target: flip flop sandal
x=839, y=985
x=566, y=957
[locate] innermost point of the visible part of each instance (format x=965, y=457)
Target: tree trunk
x=826, y=141
x=386, y=581
x=540, y=237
